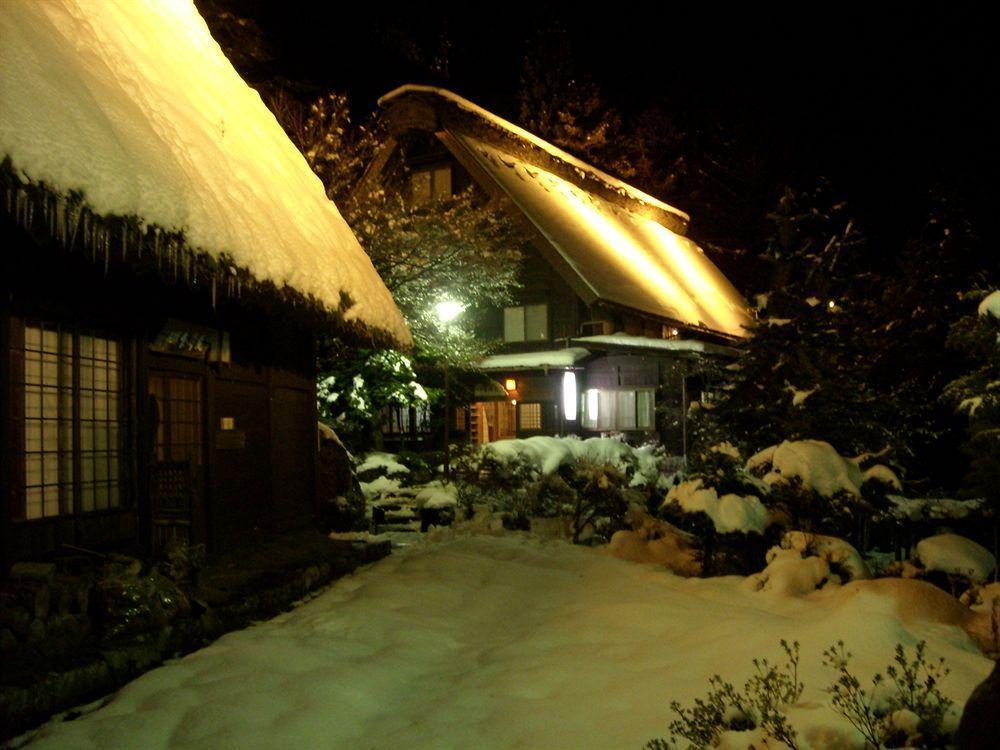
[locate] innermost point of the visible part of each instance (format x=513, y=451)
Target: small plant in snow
x=912, y=715
x=760, y=705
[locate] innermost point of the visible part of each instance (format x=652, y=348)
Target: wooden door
x=241, y=471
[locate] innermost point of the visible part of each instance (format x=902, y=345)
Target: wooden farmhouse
x=168, y=262
x=617, y=307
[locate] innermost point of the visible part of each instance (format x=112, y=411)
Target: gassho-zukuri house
x=617, y=307
x=168, y=260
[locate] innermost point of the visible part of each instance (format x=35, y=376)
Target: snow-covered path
x=496, y=642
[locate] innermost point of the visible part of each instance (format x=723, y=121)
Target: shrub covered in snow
x=729, y=513
x=805, y=562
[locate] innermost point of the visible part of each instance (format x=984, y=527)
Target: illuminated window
x=68, y=406
x=428, y=185
x=613, y=410
x=529, y=416
x=526, y=323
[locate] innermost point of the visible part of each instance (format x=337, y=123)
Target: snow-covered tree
x=803, y=372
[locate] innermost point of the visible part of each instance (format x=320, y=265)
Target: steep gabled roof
x=130, y=112
x=611, y=242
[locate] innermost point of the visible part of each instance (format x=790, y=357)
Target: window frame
x=515, y=317
x=642, y=406
x=117, y=470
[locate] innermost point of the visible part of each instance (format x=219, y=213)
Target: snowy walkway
x=495, y=642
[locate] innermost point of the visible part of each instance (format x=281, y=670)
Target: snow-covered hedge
x=645, y=466
x=729, y=513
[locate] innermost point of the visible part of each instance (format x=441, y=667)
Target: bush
x=911, y=714
x=760, y=705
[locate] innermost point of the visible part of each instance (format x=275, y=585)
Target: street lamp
x=447, y=310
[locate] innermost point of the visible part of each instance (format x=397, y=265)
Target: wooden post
x=684, y=422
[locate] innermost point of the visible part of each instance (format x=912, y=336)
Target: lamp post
x=447, y=310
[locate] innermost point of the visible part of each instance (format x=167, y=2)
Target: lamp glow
x=569, y=395
x=448, y=309
x=510, y=384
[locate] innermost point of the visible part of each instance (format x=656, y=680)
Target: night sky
x=888, y=105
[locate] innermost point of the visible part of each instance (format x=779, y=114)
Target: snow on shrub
x=955, y=555
x=658, y=542
x=382, y=464
x=729, y=513
x=819, y=467
x=805, y=562
x=842, y=557
x=813, y=462
x=788, y=573
x=546, y=455
x=990, y=305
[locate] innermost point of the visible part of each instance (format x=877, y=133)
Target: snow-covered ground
x=506, y=641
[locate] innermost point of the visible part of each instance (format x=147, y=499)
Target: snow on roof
x=534, y=360
x=619, y=255
x=134, y=105
x=620, y=187
x=646, y=342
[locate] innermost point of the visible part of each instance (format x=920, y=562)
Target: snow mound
x=386, y=461
x=990, y=305
x=956, y=555
x=380, y=487
x=815, y=463
x=134, y=105
x=729, y=513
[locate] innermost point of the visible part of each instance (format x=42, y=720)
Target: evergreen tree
x=921, y=300
x=976, y=395
x=803, y=371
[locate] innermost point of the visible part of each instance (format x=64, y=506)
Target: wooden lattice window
x=529, y=416
x=67, y=411
x=179, y=429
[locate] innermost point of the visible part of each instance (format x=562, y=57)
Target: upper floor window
x=68, y=420
x=526, y=323
x=428, y=185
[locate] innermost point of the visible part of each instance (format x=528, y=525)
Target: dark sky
x=887, y=103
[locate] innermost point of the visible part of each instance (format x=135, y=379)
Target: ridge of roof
x=675, y=216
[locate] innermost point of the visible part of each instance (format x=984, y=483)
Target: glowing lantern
x=569, y=395
x=510, y=384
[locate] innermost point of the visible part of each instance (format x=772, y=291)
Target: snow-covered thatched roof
x=611, y=241
x=129, y=110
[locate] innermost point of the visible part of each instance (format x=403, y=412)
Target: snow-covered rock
x=990, y=305
x=933, y=508
x=134, y=106
x=955, y=555
x=729, y=513
x=815, y=463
